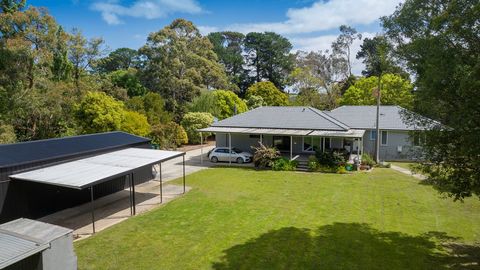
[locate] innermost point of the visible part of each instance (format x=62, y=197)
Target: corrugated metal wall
x=34, y=200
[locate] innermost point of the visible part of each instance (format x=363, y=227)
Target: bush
x=227, y=102
x=341, y=170
x=264, y=156
x=330, y=159
x=170, y=135
x=270, y=94
x=284, y=164
x=135, y=123
x=193, y=121
x=367, y=160
x=313, y=164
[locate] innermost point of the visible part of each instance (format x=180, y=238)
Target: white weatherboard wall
x=390, y=151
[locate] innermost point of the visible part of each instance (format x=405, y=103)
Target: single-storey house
x=304, y=130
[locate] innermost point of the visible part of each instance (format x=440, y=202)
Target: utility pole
x=377, y=126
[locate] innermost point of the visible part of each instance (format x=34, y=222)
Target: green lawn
x=405, y=165
x=238, y=218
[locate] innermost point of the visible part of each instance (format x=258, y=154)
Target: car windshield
x=236, y=150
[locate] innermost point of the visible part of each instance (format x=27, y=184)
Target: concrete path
x=407, y=171
x=115, y=208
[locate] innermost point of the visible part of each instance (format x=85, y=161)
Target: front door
x=282, y=143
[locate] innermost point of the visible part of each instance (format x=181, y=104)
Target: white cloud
x=324, y=43
x=112, y=11
x=205, y=30
x=324, y=15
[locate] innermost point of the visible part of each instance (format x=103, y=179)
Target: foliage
x=268, y=55
x=368, y=160
x=83, y=53
x=152, y=105
x=395, y=91
x=98, y=112
x=309, y=97
x=370, y=52
x=135, y=123
x=342, y=45
x=119, y=59
x=264, y=157
x=254, y=101
x=128, y=80
x=439, y=42
x=194, y=121
x=206, y=102
x=228, y=104
x=7, y=134
x=330, y=159
x=168, y=136
x=284, y=164
x=229, y=48
x=269, y=93
x=321, y=71
x=10, y=6
x=180, y=62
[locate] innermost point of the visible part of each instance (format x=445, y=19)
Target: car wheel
x=214, y=159
x=239, y=160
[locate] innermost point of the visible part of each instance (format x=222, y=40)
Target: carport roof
x=352, y=133
x=87, y=172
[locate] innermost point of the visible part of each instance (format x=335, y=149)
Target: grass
x=238, y=218
x=405, y=165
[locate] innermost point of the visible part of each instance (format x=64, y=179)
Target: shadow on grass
x=348, y=246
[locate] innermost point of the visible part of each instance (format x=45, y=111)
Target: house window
x=254, y=136
x=327, y=143
x=384, y=136
x=307, y=144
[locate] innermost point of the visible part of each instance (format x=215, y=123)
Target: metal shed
x=35, y=245
x=86, y=173
x=34, y=200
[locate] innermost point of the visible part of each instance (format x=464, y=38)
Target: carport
x=87, y=172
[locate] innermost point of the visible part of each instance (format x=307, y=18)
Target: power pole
x=377, y=126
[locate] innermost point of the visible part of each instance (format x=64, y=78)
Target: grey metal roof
x=364, y=117
x=352, y=133
x=43, y=150
x=14, y=248
x=44, y=232
x=90, y=171
x=283, y=118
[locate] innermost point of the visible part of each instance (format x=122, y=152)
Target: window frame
x=381, y=137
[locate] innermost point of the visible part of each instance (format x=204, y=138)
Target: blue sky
x=309, y=24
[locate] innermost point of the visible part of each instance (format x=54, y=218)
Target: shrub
x=227, y=102
x=170, y=135
x=312, y=163
x=193, y=121
x=284, y=164
x=341, y=170
x=330, y=159
x=264, y=156
x=135, y=123
x=367, y=160
x=270, y=94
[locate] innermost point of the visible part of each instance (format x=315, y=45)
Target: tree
x=269, y=93
x=98, y=112
x=7, y=133
x=395, y=91
x=152, y=105
x=229, y=48
x=179, y=63
x=206, y=102
x=119, y=59
x=309, y=97
x=439, y=41
x=83, y=53
x=61, y=67
x=170, y=135
x=228, y=103
x=128, y=80
x=369, y=52
x=342, y=46
x=268, y=57
x=135, y=123
x=193, y=121
x=255, y=102
x=322, y=71
x=11, y=6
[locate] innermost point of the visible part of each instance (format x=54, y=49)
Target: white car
x=236, y=155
